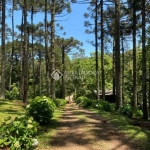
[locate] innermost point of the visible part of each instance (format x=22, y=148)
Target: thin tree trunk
x=122, y=69
x=117, y=55
x=102, y=53
x=134, y=103
x=63, y=71
x=114, y=72
x=53, y=48
x=3, y=53
x=25, y=56
x=40, y=73
x=21, y=61
x=144, y=89
x=47, y=55
x=96, y=51
x=12, y=51
x=32, y=34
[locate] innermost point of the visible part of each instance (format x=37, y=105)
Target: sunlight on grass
x=10, y=108
x=45, y=132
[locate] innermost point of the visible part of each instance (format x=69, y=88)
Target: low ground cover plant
x=41, y=109
x=18, y=133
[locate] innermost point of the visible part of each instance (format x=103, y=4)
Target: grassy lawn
x=11, y=108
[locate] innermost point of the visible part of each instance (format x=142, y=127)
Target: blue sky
x=73, y=25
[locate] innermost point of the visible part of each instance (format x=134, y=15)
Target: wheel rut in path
x=80, y=129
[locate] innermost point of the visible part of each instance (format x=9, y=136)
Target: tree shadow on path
x=81, y=129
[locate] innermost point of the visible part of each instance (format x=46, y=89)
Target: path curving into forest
x=80, y=129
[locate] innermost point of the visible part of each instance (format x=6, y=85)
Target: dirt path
x=80, y=129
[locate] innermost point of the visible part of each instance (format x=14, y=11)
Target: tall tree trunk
x=122, y=68
x=134, y=103
x=25, y=55
x=63, y=72
x=102, y=53
x=12, y=49
x=21, y=60
x=40, y=74
x=53, y=48
x=144, y=89
x=114, y=72
x=96, y=51
x=117, y=55
x=47, y=55
x=32, y=34
x=3, y=52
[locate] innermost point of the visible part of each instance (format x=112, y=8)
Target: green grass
x=141, y=135
x=15, y=108
x=11, y=108
x=45, y=132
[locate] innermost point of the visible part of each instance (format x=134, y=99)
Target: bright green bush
x=18, y=134
x=84, y=101
x=41, y=109
x=60, y=102
x=104, y=105
x=126, y=110
x=137, y=113
x=79, y=99
x=13, y=94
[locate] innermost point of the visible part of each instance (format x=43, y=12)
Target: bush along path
x=80, y=129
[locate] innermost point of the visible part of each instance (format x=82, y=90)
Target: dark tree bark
x=32, y=38
x=47, y=55
x=25, y=55
x=102, y=53
x=12, y=49
x=3, y=58
x=144, y=89
x=134, y=103
x=53, y=48
x=96, y=50
x=63, y=72
x=117, y=55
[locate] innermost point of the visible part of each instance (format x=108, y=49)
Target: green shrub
x=84, y=101
x=126, y=110
x=60, y=102
x=79, y=99
x=13, y=94
x=104, y=105
x=137, y=113
x=18, y=134
x=41, y=109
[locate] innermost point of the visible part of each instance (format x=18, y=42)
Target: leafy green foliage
x=104, y=105
x=41, y=109
x=19, y=133
x=126, y=110
x=60, y=102
x=84, y=101
x=13, y=94
x=137, y=113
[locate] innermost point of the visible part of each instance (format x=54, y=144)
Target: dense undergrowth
x=20, y=131
x=125, y=109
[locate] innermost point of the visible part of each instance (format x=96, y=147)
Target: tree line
x=37, y=45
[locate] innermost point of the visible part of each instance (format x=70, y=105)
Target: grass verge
x=141, y=135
